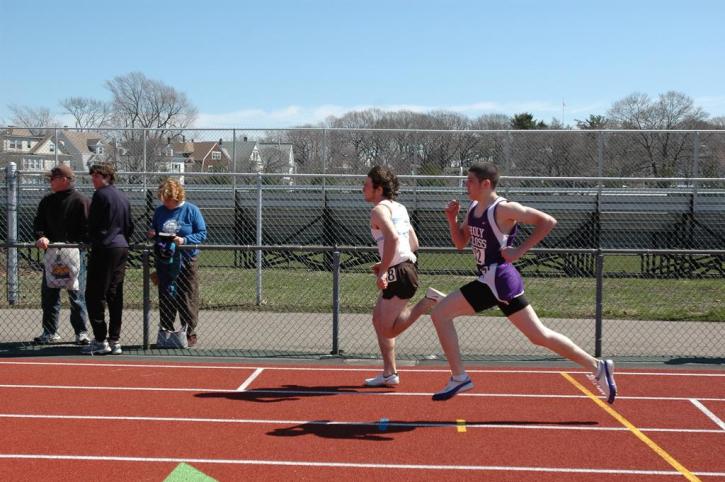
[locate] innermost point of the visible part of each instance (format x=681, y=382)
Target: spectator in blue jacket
x=177, y=222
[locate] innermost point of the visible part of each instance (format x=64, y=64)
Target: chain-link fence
x=634, y=213
x=635, y=266
x=317, y=301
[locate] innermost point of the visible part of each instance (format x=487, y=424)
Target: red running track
x=132, y=421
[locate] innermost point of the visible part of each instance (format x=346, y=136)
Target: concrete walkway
x=311, y=333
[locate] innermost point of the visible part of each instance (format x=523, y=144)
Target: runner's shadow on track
x=286, y=393
x=29, y=349
x=383, y=431
x=700, y=360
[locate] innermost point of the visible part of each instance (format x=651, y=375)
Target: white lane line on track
x=306, y=463
x=350, y=369
x=250, y=379
x=708, y=413
x=280, y=393
x=375, y=424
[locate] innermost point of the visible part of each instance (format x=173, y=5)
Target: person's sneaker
x=453, y=387
x=96, y=348
x=47, y=338
x=383, y=381
x=603, y=379
x=82, y=338
x=115, y=348
x=434, y=294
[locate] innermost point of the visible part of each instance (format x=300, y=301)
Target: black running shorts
x=480, y=297
x=402, y=281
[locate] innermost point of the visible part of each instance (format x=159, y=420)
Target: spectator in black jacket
x=62, y=217
x=109, y=227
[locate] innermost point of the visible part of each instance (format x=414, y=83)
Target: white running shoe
x=116, y=348
x=452, y=388
x=47, y=338
x=434, y=294
x=96, y=348
x=82, y=338
x=603, y=379
x=383, y=381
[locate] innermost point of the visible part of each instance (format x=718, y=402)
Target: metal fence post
x=335, y=302
x=507, y=141
x=11, y=183
x=695, y=168
x=234, y=164
x=146, y=298
x=600, y=156
x=145, y=166
x=324, y=158
x=599, y=290
x=259, y=238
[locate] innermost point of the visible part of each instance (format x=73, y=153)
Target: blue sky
x=277, y=63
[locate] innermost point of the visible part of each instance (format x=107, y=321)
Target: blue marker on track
x=383, y=424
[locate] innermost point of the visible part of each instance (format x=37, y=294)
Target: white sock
x=460, y=378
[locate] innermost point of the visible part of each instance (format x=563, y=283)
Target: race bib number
x=480, y=255
x=392, y=275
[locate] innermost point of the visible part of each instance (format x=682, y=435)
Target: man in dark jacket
x=62, y=217
x=109, y=227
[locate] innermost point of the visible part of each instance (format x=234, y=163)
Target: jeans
x=50, y=300
x=185, y=301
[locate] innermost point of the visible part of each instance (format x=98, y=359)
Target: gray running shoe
x=47, y=338
x=96, y=348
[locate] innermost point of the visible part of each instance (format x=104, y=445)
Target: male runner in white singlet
x=396, y=273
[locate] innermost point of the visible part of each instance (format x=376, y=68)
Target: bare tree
x=712, y=149
x=717, y=122
x=32, y=118
x=307, y=148
x=492, y=122
x=140, y=102
x=87, y=113
x=664, y=153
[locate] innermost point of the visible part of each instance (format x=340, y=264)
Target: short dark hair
x=485, y=171
x=105, y=169
x=382, y=176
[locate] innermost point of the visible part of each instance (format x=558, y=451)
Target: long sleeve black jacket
x=110, y=224
x=62, y=217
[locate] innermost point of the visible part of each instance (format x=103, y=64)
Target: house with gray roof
x=33, y=153
x=85, y=148
x=269, y=157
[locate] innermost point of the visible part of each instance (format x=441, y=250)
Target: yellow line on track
x=620, y=418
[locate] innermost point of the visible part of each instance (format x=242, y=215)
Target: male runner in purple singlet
x=490, y=225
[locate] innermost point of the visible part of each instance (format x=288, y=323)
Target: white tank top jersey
x=401, y=223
